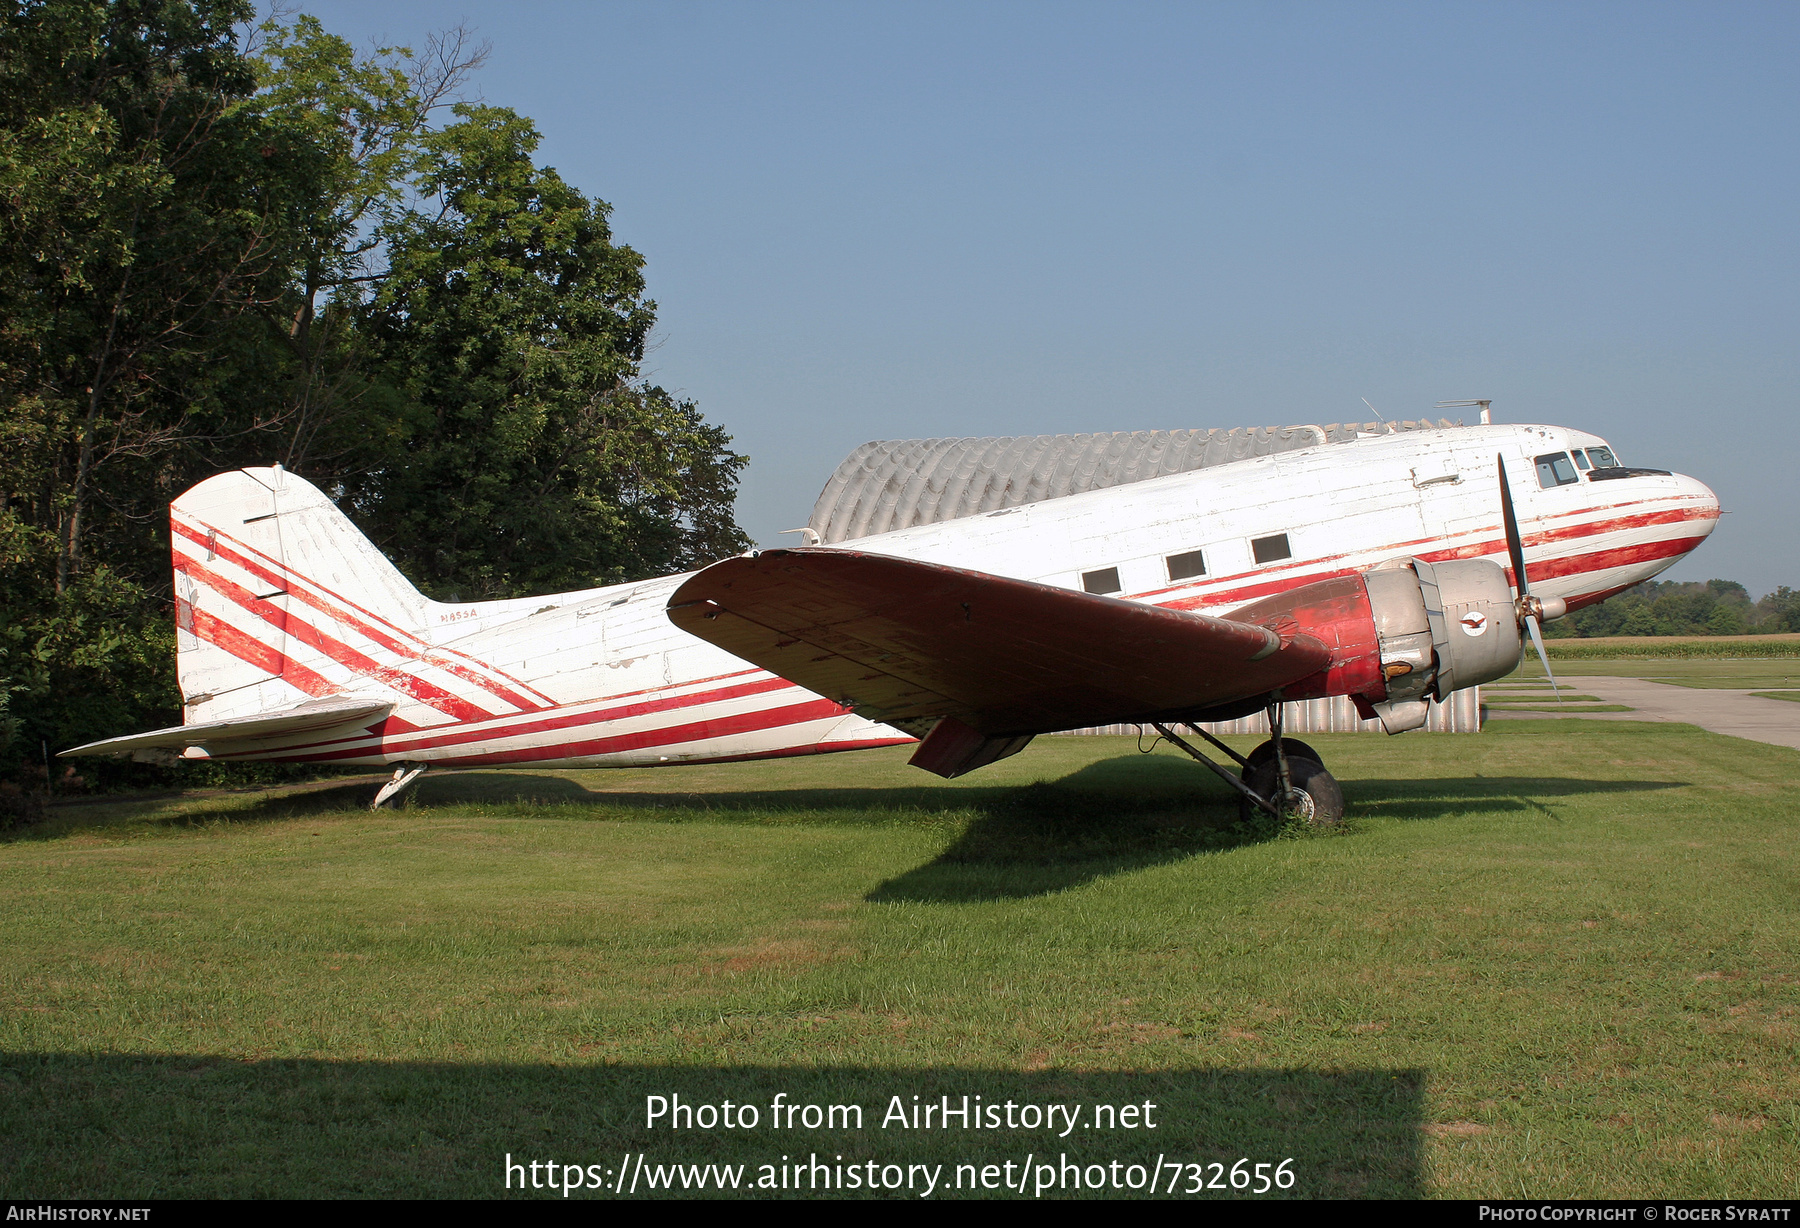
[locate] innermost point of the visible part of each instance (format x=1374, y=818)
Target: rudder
x=279, y=597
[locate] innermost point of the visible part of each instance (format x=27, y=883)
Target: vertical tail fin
x=279, y=598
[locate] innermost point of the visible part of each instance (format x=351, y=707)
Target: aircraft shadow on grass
x=1113, y=816
x=1047, y=838
x=195, y=1126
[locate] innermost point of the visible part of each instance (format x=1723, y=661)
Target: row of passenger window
x=1189, y=564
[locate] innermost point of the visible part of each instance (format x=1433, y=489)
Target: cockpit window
x=1603, y=458
x=1581, y=460
x=1556, y=470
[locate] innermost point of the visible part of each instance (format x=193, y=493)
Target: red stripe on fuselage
x=1638, y=520
x=1620, y=556
x=675, y=735
x=815, y=748
x=1477, y=549
x=646, y=739
x=521, y=726
x=1487, y=545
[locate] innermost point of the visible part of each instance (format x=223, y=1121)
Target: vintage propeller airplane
x=986, y=591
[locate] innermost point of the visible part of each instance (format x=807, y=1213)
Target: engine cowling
x=1442, y=627
x=1401, y=634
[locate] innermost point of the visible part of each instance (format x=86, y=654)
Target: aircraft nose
x=1699, y=496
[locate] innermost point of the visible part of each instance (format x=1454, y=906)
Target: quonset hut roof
x=896, y=484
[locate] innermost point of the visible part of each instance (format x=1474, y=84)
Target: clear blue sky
x=869, y=221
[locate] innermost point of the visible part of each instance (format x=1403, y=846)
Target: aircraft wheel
x=1296, y=749
x=1316, y=797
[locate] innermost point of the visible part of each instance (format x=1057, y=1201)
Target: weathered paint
x=279, y=599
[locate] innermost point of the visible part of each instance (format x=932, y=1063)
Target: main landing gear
x=1283, y=777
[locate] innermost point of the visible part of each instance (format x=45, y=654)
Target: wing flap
x=901, y=640
x=315, y=714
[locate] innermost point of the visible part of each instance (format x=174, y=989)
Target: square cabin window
x=1186, y=566
x=1106, y=580
x=1269, y=549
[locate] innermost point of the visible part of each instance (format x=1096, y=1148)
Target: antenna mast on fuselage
x=1483, y=405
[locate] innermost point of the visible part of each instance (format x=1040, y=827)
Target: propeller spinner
x=1531, y=610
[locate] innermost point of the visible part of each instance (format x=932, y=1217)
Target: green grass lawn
x=1788, y=695
x=1550, y=705
x=1555, y=959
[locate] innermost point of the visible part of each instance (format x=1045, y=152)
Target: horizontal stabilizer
x=316, y=714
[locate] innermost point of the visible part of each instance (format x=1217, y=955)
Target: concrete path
x=1738, y=713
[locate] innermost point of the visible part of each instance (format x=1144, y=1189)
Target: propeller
x=1530, y=609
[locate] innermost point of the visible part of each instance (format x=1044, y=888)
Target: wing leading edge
x=968, y=655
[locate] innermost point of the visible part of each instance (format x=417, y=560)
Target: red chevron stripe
x=284, y=577
x=251, y=651
x=395, y=642
x=407, y=684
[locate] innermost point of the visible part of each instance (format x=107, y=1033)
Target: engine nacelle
x=1401, y=634
x=1442, y=627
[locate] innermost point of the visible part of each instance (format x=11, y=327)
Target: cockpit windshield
x=1556, y=469
x=1603, y=458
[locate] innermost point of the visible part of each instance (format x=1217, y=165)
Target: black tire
x=1322, y=803
x=1296, y=749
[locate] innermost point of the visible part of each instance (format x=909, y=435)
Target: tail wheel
x=1314, y=795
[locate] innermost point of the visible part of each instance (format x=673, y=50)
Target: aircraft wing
x=909, y=643
x=313, y=714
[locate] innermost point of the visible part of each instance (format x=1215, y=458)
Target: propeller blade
x=1515, y=546
x=1527, y=606
x=1537, y=641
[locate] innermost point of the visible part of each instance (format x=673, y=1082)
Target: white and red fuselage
x=279, y=601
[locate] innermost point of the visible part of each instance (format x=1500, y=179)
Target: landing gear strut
x=404, y=775
x=1282, y=777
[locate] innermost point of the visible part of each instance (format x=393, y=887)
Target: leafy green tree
x=78, y=664
x=535, y=457
x=364, y=120
x=147, y=219
x=1779, y=610
x=1667, y=607
x=216, y=253
x=143, y=222
x=1725, y=620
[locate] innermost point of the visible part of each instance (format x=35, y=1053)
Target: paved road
x=1738, y=713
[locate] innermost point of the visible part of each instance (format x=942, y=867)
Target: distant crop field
x=1635, y=647
x=1706, y=673
x=1556, y=959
